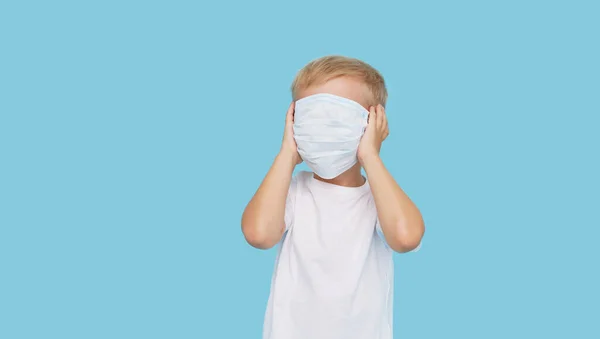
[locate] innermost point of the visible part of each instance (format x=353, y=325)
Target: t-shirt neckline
x=359, y=189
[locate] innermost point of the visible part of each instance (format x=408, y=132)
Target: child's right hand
x=288, y=146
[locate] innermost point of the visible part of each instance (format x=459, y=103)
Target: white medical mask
x=328, y=129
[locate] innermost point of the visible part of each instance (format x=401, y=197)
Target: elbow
x=257, y=236
x=258, y=240
x=409, y=239
x=404, y=245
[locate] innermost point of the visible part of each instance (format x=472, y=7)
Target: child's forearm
x=263, y=220
x=400, y=220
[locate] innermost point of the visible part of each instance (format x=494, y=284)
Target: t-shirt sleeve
x=290, y=203
x=380, y=233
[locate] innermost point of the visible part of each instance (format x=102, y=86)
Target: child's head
x=332, y=97
x=341, y=76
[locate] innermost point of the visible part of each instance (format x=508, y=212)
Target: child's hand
x=377, y=130
x=288, y=146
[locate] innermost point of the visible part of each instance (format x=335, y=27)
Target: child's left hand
x=376, y=132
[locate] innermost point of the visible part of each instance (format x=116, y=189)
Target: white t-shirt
x=334, y=273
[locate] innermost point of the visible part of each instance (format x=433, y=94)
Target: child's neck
x=351, y=178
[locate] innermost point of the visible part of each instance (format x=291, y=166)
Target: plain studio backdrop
x=133, y=133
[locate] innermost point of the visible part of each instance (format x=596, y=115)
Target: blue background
x=133, y=133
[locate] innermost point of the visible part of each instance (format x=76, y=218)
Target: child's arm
x=263, y=219
x=400, y=220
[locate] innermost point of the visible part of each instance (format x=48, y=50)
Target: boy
x=333, y=277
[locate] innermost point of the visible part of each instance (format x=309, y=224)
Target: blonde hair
x=321, y=70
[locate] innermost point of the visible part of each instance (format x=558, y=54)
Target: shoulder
x=302, y=178
x=299, y=181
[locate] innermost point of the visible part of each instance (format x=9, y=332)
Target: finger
x=289, y=117
x=372, y=117
x=386, y=133
x=380, y=117
x=384, y=126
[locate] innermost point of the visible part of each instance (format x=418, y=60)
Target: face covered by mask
x=328, y=129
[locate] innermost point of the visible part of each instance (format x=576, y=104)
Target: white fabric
x=328, y=129
x=333, y=277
